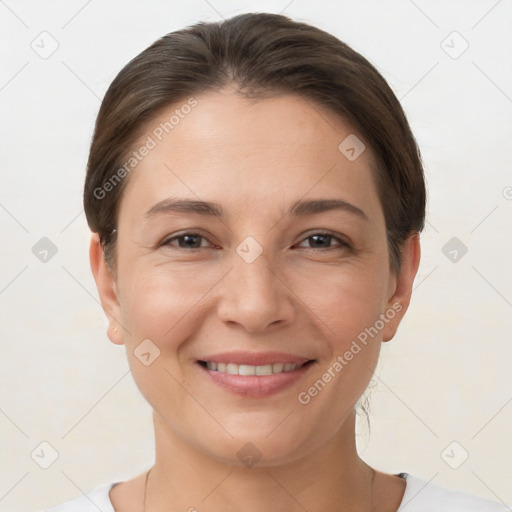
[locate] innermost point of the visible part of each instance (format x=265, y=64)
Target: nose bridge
x=252, y=294
x=254, y=268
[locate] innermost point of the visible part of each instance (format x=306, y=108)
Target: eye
x=322, y=241
x=192, y=241
x=186, y=241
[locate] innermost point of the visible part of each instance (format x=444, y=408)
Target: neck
x=333, y=477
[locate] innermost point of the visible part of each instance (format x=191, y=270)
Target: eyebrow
x=213, y=209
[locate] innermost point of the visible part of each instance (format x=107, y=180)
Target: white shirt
x=419, y=496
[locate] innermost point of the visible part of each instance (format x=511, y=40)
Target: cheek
x=347, y=303
x=349, y=308
x=159, y=299
x=342, y=300
x=159, y=309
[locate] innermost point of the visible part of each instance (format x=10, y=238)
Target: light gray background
x=446, y=375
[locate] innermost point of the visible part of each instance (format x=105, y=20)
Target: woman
x=222, y=155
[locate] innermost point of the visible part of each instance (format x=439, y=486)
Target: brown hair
x=260, y=54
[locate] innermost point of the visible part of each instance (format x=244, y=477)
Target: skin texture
x=300, y=296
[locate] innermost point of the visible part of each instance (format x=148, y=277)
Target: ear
x=401, y=286
x=107, y=290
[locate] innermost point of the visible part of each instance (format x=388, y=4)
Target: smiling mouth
x=247, y=369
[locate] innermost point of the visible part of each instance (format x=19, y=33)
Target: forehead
x=232, y=147
x=279, y=123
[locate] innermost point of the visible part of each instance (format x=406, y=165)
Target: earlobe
x=399, y=301
x=113, y=335
x=107, y=290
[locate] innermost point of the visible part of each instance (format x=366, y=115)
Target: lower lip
x=255, y=385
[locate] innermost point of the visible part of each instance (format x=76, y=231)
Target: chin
x=262, y=447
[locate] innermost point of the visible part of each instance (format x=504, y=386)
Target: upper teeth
x=247, y=369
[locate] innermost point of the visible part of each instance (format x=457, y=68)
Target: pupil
x=189, y=238
x=325, y=237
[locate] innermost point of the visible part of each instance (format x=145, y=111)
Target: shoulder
x=96, y=499
x=423, y=496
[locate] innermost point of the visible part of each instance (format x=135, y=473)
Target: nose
x=255, y=296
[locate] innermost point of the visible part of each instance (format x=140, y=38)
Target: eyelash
x=342, y=243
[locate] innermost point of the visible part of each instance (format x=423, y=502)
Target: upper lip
x=255, y=358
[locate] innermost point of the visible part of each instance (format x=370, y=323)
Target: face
x=283, y=277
